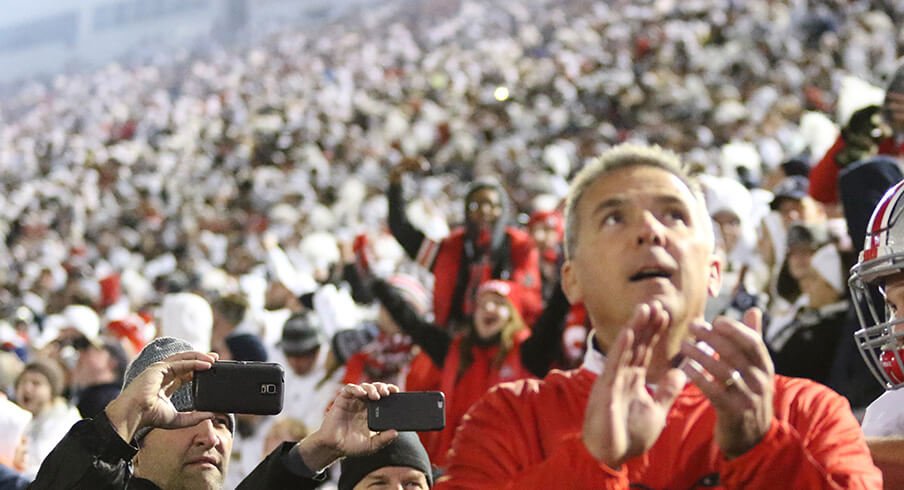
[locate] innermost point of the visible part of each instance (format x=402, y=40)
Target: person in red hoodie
x=471, y=362
x=547, y=228
x=871, y=131
x=484, y=248
x=640, y=255
x=387, y=357
x=558, y=335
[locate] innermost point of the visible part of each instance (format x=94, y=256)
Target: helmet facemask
x=881, y=336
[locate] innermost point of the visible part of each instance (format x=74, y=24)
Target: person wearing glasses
x=485, y=247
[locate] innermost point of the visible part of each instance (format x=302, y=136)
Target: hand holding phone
x=240, y=387
x=408, y=411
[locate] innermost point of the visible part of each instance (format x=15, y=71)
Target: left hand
x=738, y=379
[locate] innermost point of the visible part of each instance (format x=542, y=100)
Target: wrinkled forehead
x=663, y=186
x=643, y=180
x=626, y=172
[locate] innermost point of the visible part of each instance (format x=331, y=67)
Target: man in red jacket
x=484, y=248
x=871, y=131
x=639, y=254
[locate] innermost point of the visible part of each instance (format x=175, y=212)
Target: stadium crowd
x=380, y=200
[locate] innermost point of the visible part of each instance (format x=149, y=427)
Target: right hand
x=344, y=431
x=623, y=417
x=408, y=164
x=146, y=401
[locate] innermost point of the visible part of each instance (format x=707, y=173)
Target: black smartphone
x=408, y=411
x=240, y=387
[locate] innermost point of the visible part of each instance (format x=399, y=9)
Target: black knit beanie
x=406, y=450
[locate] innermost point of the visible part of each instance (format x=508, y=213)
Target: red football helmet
x=881, y=338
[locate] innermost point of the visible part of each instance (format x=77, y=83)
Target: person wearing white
x=38, y=390
x=13, y=424
x=309, y=387
x=884, y=417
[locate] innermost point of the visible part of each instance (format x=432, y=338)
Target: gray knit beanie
x=158, y=350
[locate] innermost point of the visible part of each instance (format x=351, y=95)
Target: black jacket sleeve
x=430, y=337
x=12, y=480
x=861, y=186
x=544, y=346
x=91, y=455
x=282, y=469
x=357, y=280
x=409, y=237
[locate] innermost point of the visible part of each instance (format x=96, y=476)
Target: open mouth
x=490, y=319
x=650, y=273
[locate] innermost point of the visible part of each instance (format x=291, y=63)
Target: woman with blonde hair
x=467, y=364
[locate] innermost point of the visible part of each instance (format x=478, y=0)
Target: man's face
x=94, y=365
x=799, y=261
x=393, y=478
x=894, y=295
x=191, y=458
x=302, y=363
x=545, y=235
x=642, y=236
x=484, y=207
x=804, y=210
x=894, y=299
x=791, y=210
x=729, y=228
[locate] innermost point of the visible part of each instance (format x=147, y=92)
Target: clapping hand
x=738, y=379
x=624, y=416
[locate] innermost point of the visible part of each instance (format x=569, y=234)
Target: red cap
x=359, y=246
x=110, y=290
x=506, y=289
x=552, y=218
x=132, y=328
x=500, y=287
